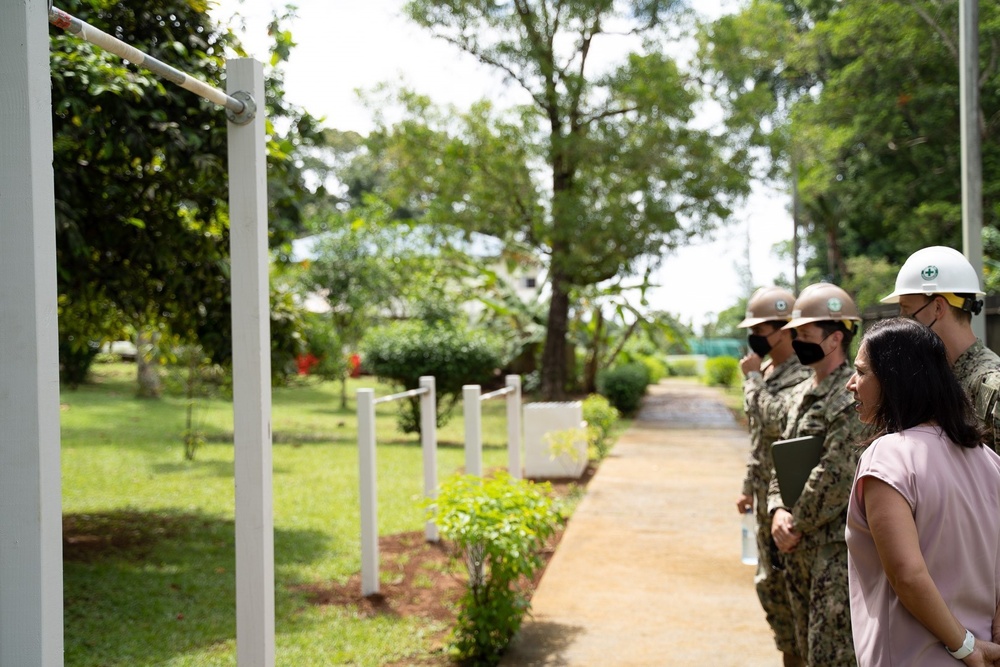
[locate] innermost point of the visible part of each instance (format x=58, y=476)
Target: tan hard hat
x=768, y=304
x=822, y=302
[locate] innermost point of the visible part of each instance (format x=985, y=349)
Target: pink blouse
x=954, y=493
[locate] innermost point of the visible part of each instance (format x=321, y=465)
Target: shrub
x=657, y=369
x=624, y=386
x=500, y=525
x=455, y=356
x=601, y=417
x=683, y=368
x=724, y=371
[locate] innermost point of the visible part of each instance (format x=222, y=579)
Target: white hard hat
x=935, y=270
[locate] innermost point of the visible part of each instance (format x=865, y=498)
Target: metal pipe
x=402, y=394
x=240, y=109
x=496, y=394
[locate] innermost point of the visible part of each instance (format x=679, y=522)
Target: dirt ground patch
x=424, y=579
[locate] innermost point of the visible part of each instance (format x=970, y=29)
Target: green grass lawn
x=149, y=574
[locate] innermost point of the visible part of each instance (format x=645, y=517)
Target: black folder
x=794, y=459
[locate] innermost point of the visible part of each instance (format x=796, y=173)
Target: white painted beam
x=428, y=446
x=31, y=592
x=368, y=491
x=472, y=408
x=251, y=374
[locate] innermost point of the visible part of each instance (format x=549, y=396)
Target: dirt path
x=648, y=571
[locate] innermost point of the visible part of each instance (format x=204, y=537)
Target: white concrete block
x=548, y=423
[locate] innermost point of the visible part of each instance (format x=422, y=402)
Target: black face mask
x=808, y=353
x=913, y=316
x=759, y=344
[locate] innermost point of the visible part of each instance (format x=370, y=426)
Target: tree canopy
x=861, y=99
x=601, y=173
x=141, y=186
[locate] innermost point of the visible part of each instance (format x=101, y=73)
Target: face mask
x=808, y=353
x=914, y=315
x=759, y=344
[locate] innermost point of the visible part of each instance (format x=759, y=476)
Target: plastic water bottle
x=748, y=530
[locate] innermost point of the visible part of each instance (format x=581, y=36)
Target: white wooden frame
x=368, y=479
x=31, y=589
x=472, y=400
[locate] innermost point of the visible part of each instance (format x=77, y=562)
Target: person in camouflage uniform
x=810, y=533
x=765, y=393
x=938, y=287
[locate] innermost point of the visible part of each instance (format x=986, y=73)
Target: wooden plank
x=31, y=609
x=251, y=375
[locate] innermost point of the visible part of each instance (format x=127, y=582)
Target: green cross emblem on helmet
x=833, y=303
x=929, y=272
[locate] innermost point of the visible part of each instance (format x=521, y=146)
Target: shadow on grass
x=141, y=588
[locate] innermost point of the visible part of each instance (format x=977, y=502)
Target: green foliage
x=565, y=443
x=570, y=172
x=601, y=417
x=403, y=352
x=722, y=371
x=500, y=525
x=141, y=209
x=683, y=368
x=624, y=386
x=859, y=109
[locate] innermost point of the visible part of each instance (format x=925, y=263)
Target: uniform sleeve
x=774, y=501
x=769, y=406
x=752, y=387
x=985, y=404
x=828, y=488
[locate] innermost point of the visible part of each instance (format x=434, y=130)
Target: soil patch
x=420, y=578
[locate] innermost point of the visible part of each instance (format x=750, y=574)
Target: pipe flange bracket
x=249, y=108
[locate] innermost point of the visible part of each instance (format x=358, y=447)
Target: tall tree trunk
x=594, y=358
x=147, y=365
x=834, y=257
x=554, y=356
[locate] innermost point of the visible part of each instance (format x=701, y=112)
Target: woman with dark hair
x=923, y=522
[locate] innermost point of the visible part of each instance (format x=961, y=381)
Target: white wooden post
x=473, y=409
x=31, y=591
x=428, y=445
x=514, y=426
x=251, y=316
x=368, y=491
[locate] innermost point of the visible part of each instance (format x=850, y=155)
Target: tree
x=601, y=173
x=874, y=129
x=140, y=166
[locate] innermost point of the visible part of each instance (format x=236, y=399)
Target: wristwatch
x=965, y=650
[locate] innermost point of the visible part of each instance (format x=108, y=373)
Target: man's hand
x=783, y=531
x=750, y=363
x=744, y=503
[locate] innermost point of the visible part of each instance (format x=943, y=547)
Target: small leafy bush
x=601, y=417
x=624, y=386
x=500, y=526
x=657, y=369
x=455, y=356
x=722, y=371
x=683, y=368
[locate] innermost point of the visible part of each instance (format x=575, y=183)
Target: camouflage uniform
x=978, y=371
x=816, y=572
x=765, y=404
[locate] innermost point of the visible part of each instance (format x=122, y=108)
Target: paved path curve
x=648, y=571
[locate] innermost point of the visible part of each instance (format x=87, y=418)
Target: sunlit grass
x=167, y=595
